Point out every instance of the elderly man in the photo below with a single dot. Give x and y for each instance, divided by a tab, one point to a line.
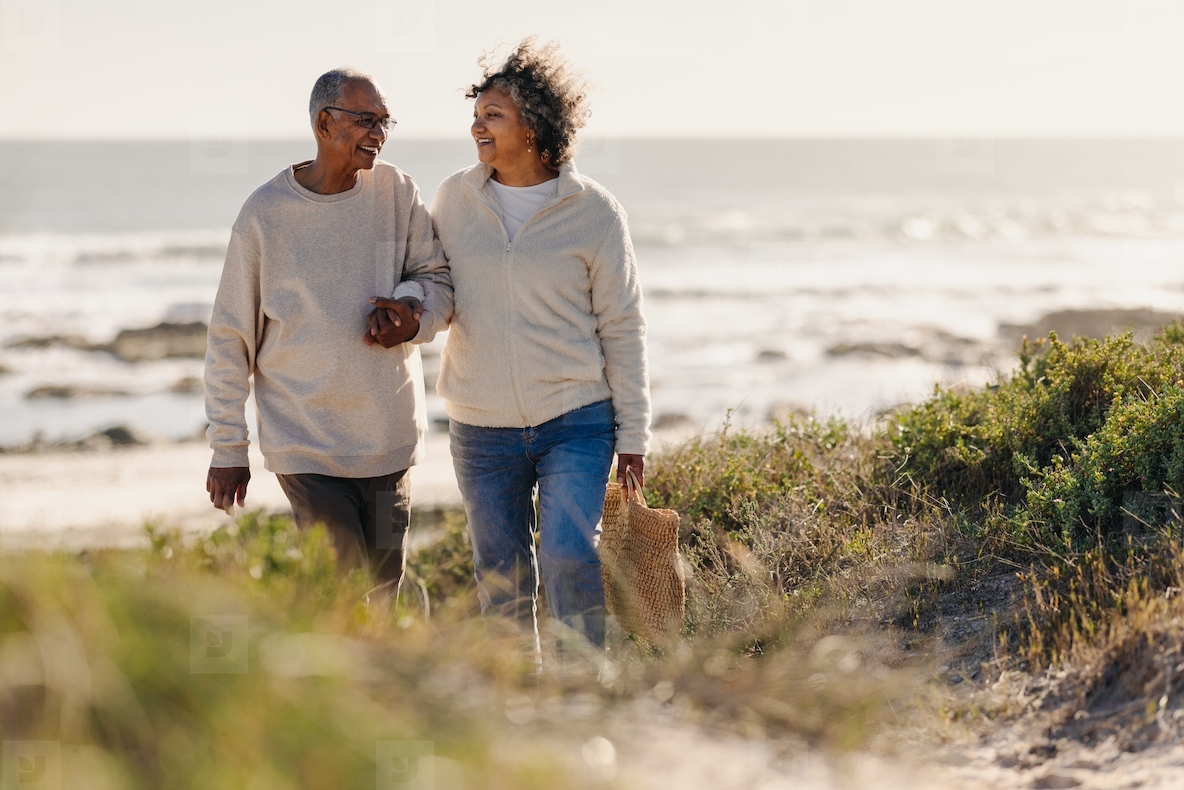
338	384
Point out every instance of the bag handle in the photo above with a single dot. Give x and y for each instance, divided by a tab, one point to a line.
633	487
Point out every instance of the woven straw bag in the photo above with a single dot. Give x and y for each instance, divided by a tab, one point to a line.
644	581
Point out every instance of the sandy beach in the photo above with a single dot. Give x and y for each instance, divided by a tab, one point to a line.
88	498
76	499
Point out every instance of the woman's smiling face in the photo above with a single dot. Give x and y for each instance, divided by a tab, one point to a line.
502	139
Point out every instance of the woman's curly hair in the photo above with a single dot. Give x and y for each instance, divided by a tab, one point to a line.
551	96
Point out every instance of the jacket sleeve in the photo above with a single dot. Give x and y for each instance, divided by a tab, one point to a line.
230	352
426	266
616	302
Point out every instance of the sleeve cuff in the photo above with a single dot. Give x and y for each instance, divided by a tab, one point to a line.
633	446
230	456
408	288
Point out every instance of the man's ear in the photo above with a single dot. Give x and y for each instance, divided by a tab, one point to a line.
321	127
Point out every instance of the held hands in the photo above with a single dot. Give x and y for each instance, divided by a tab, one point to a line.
634	462
393	321
227	483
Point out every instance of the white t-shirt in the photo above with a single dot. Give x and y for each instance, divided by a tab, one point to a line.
519	203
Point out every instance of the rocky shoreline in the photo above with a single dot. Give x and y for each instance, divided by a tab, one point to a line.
940	347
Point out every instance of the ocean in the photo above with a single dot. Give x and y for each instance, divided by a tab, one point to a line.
835	276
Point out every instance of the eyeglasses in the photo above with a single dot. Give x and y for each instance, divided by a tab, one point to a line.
368	119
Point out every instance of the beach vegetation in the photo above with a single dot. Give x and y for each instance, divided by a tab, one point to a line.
842	578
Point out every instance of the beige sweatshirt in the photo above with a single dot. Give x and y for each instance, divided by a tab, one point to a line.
546	323
291	311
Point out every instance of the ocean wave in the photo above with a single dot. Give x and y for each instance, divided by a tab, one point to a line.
67	249
1128	214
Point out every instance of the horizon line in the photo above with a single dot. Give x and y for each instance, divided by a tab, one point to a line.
1093	136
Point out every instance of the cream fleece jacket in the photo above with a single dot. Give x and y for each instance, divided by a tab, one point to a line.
291	311
546	323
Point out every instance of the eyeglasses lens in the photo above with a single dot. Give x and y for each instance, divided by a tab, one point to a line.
371	121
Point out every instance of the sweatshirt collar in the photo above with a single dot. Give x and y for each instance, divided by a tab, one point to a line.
569	182
317	197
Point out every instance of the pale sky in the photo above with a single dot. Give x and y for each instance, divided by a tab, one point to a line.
686	68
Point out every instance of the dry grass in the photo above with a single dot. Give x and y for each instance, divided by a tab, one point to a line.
834	591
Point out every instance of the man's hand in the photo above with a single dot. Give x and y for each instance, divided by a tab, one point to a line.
226	483
634	462
393	321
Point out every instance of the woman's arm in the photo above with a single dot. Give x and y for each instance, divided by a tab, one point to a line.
620	326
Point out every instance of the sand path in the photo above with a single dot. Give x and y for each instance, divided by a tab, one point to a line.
82	499
75	499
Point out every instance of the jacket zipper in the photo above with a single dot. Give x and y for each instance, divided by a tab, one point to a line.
509	252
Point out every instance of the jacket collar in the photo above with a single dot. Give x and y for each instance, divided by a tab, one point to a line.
479	174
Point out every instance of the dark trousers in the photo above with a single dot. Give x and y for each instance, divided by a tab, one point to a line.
367	517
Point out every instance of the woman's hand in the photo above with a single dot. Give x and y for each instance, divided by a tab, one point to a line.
634	462
393	321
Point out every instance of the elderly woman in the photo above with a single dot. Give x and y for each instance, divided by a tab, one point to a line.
544	374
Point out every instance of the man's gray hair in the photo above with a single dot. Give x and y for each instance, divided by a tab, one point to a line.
327	90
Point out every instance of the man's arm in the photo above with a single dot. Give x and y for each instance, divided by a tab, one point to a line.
230	361
425	265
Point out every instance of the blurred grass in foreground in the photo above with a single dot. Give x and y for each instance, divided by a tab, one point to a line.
832	568
243	659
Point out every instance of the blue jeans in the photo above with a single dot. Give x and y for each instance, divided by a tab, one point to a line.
568	459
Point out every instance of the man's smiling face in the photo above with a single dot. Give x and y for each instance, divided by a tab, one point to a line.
352	144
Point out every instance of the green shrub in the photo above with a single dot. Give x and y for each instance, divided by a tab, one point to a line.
714	478
1136	456
440	573
977	447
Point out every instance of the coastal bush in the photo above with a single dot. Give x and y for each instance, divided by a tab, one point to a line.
797	523
440	573
1067	471
977	447
827	464
1131	469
